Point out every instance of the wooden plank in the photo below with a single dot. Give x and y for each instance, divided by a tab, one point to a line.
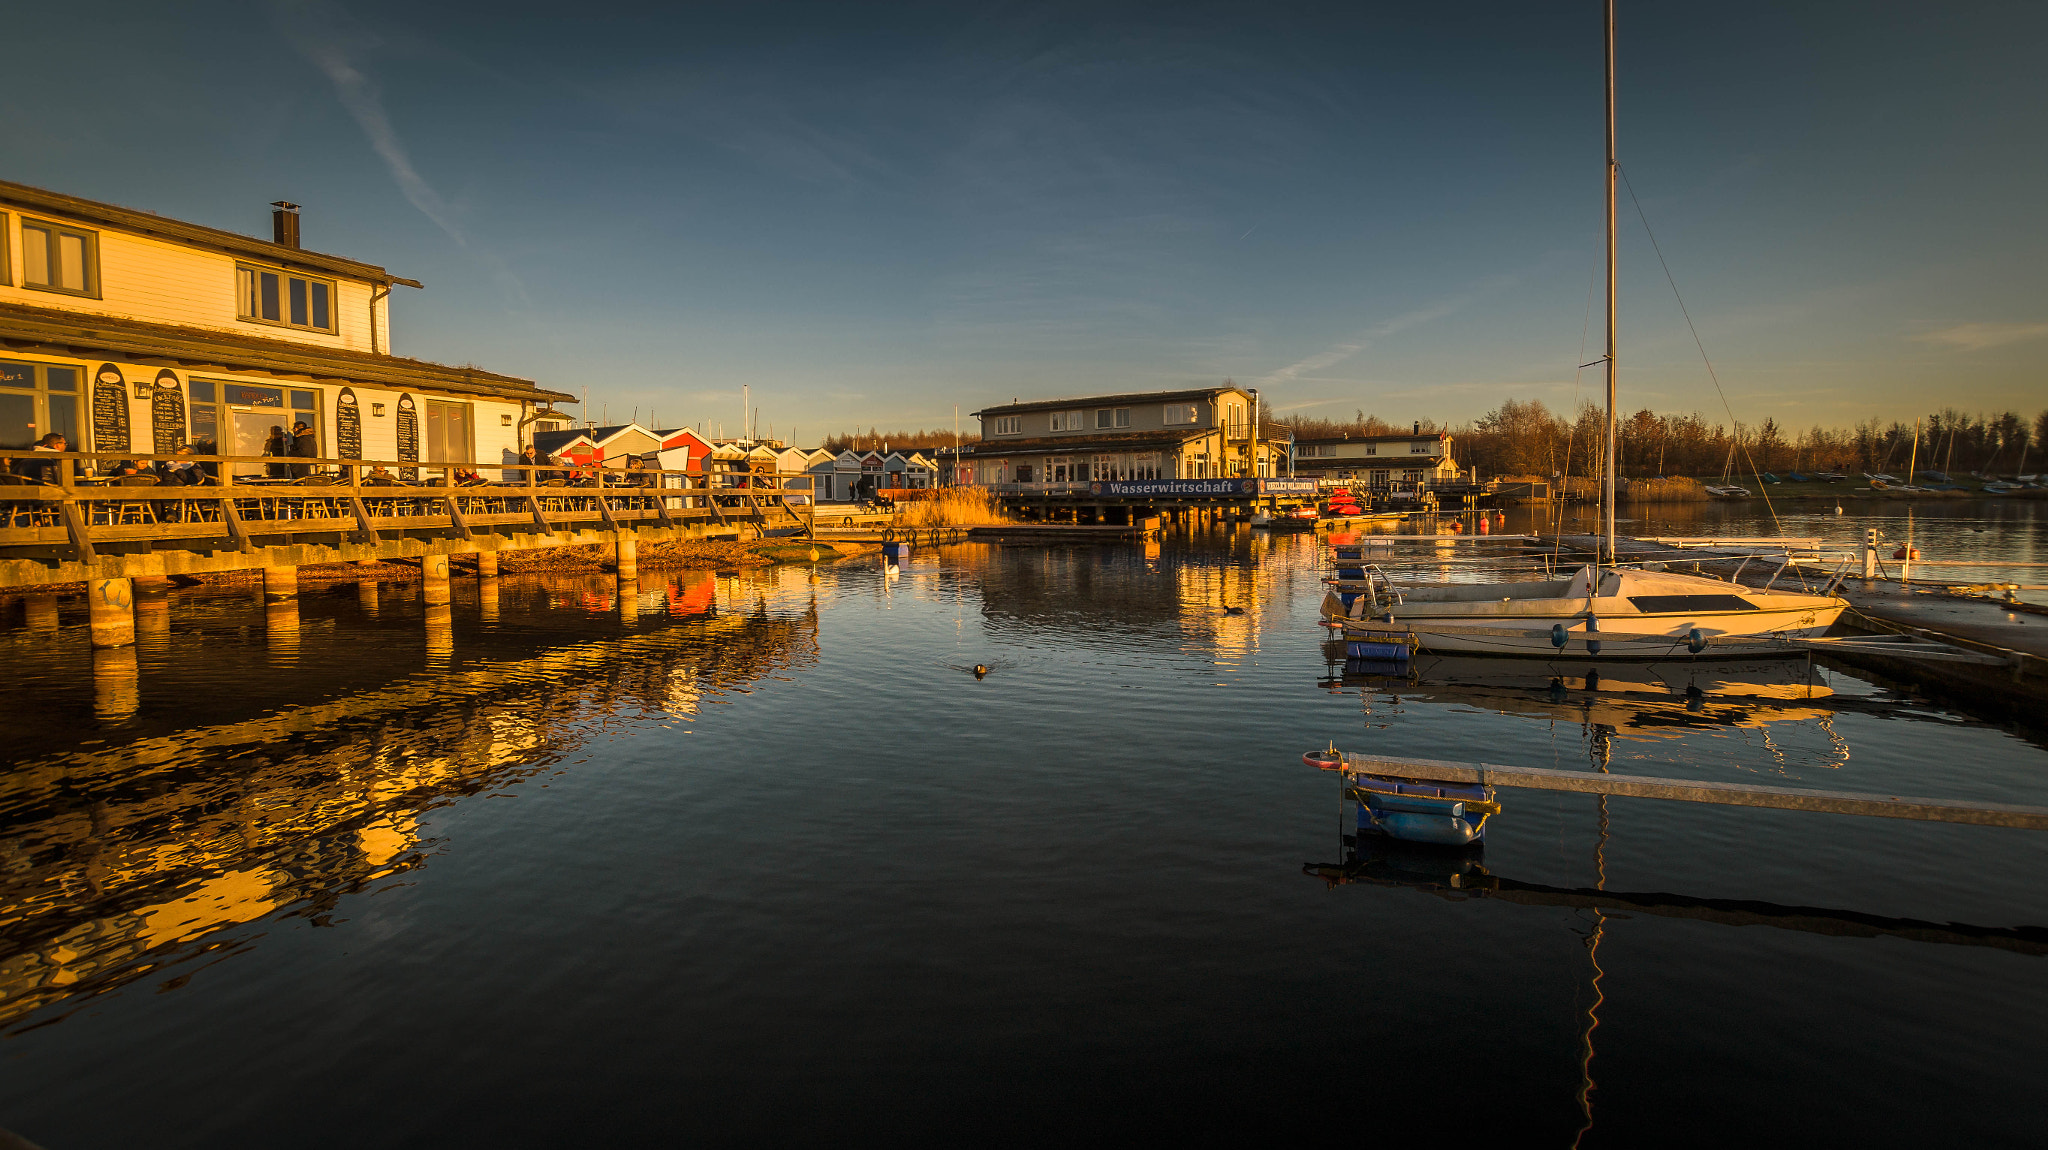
540	521
236	531
363	524
604	507
75	527
1697	791
455	516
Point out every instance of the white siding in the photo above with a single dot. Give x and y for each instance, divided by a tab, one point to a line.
163	281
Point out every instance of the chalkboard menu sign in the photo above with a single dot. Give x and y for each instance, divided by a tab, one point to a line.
408	437
167	413
348	425
109	412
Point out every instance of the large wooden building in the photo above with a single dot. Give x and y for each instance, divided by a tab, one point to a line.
125	331
1059	444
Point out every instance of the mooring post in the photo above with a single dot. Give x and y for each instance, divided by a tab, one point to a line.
280	581
487	564
112	604
1870	553
434	584
629	556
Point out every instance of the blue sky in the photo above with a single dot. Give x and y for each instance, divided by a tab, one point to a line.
873	214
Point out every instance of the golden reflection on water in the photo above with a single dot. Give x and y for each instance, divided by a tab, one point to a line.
123	860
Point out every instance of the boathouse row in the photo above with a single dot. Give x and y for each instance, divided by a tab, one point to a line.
129	332
1064	444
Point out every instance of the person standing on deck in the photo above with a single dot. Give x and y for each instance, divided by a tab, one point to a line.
305	445
277	445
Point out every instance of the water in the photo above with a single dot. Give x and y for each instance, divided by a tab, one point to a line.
757	858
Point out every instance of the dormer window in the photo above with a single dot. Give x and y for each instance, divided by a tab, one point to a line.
1009	425
268	295
60	259
1182	413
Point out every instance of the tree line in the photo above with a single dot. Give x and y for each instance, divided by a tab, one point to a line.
1524	437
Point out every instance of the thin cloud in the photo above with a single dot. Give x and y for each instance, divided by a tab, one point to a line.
332	42
1979	336
1343	351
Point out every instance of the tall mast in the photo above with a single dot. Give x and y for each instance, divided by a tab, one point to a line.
1613	169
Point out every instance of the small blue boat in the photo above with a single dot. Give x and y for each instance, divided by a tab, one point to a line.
1412	810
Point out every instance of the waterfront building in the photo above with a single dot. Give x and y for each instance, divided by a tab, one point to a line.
1064	444
599	446
129	332
682	450
1381	462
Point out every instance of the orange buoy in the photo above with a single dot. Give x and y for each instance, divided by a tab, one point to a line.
1902	553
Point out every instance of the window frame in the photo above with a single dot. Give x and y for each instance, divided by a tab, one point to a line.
1009	425
1177	414
41	398
285	277
7	251
469	429
89	255
1123	417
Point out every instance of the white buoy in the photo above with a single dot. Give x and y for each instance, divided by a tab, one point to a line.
1838	509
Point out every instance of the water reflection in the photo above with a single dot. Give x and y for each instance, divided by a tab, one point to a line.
1458	876
122	862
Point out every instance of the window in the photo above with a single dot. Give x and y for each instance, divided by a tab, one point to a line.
447	432
1009	425
1023	473
1104	468
6	265
230	418
1233	415
1145	466
1319	451
57	258
37	399
1182	413
1419	447
1372	449
1067	420
1103	418
267	295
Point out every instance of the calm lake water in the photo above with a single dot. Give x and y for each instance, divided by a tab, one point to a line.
756	858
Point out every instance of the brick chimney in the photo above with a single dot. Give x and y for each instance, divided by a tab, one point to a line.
284	224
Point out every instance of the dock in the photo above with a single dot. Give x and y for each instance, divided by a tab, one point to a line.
2011	815
1041	533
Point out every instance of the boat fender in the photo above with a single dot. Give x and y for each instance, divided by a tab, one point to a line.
1387	618
1695	641
1592	628
1557	638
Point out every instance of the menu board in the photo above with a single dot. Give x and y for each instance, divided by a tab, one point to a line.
109	412
408	437
167	413
348	425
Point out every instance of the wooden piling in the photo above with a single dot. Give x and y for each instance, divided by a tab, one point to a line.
280	582
629	555
434	582
487	564
112	605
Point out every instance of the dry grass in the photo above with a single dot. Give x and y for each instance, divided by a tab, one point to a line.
952	507
1675	489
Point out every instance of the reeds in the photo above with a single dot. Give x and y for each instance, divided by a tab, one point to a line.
1672	489
952	507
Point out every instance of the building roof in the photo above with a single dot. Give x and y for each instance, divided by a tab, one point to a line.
1401	438
38	329
149	223
1104	400
1121	440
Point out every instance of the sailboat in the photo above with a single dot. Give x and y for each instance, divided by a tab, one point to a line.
1604	606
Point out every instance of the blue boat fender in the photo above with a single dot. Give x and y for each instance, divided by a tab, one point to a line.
1695	641
1557	636
1592	628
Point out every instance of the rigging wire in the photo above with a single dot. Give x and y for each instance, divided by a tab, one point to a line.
1711	374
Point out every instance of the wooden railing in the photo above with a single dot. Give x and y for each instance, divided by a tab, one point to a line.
361	495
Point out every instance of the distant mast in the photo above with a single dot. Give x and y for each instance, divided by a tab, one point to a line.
1613	170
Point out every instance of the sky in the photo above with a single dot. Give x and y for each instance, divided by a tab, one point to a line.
871	215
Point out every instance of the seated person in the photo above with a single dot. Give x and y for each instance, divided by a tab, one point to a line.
379	476
467	477
45	470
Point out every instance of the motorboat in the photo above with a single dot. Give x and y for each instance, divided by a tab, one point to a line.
1413	810
1622	611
